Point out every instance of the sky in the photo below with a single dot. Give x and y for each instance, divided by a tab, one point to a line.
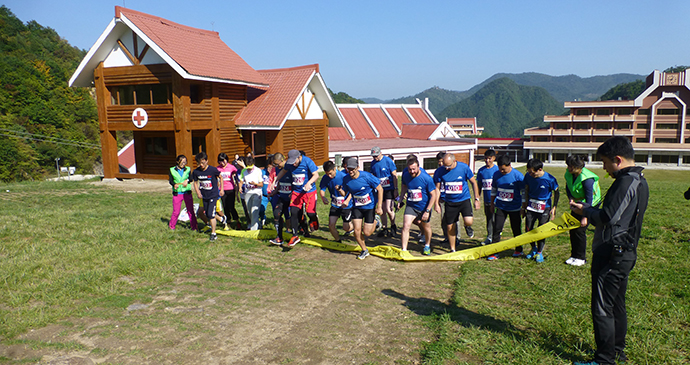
391	49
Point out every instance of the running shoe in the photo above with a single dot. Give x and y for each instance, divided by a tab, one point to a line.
486	241
493	257
427	250
578	262
422	239
539	257
293	241
204	229
349	233
382	233
277	241
531	254
392	232
314	226
363	255
570	260
377	218
518	253
212	237
469	231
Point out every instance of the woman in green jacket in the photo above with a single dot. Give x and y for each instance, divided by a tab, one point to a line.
582	185
180	178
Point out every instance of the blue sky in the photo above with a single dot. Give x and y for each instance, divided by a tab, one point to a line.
389	49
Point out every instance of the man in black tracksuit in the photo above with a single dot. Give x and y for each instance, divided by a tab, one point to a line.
618	224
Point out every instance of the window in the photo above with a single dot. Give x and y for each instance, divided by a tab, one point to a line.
400	165
580	139
686	159
195	96
687	140
542	156
198	144
623	125
581	125
667	126
600	139
642	111
602	126
642	126
140	94
559	156
561	139
603	111
156	146
430	164
665	158
560	125
666	140
667	111
541	139
642	140
367	166
582	112
641	158
624	111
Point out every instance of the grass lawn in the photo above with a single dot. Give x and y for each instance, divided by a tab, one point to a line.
72	249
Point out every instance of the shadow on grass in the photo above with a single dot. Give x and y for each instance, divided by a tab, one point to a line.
563	348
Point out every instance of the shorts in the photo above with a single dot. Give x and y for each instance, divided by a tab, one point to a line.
208	207
454	210
365	214
281	206
417	213
389	194
308	199
345	214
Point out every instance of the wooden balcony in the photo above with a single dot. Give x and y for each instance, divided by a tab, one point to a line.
561	132
557	118
582	132
624	118
603	118
602	132
582	118
537	132
623	132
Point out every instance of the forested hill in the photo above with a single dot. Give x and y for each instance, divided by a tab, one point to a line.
52	119
505	108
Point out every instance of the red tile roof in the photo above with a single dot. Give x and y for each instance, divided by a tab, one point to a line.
338	134
269	107
381	122
420	116
460	121
418	131
200	52
390	143
399	116
126	156
355	119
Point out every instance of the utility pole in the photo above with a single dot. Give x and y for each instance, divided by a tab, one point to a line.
57	165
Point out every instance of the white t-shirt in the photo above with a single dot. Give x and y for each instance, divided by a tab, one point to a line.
250	179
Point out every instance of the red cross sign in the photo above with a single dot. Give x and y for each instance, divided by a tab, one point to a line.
139	117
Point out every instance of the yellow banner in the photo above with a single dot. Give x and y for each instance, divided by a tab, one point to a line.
564	223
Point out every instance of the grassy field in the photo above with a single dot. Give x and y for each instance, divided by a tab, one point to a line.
72	249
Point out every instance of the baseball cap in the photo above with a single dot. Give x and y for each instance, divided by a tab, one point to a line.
292	157
375	151
352	163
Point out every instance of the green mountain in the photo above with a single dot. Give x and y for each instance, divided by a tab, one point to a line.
625	91
41	118
505	108
439	98
344	98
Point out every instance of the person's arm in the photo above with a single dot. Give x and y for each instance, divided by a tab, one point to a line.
525	197
196	188
221	191
556	195
312	180
618	198
403	195
379	191
437	206
475	188
322	193
171	181
588	187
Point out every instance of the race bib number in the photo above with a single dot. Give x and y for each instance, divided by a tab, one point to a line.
361	200
206	184
486	184
454	187
226	175
506	195
414	195
284	188
385	182
537	206
298	179
338	200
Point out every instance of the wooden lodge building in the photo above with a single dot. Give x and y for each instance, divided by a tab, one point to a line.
182	90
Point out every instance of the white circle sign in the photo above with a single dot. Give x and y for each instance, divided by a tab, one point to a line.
140	118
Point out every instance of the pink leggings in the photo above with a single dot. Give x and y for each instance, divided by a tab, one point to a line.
177	205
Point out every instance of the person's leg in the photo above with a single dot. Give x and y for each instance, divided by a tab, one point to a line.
452	216
516	226
467	217
530	221
346	215
310	208
253	205
332	220
231	210
543	219
444	227
489	223
357	223
389	210
189	204
405	234
177	207
499	221
578	241
278	217
210	210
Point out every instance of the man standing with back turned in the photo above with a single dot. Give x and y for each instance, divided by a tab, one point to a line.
614	248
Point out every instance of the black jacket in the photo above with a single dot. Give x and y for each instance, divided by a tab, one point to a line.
618	221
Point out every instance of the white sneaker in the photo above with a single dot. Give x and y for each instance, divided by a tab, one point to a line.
570	261
578	262
486	242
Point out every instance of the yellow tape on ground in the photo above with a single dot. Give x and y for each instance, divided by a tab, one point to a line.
564	223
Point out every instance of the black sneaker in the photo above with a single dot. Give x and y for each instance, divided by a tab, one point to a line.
212	237
382	233
469	231
392	232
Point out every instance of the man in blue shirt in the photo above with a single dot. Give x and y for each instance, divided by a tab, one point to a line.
384	169
539	187
421	194
359	187
485	178
506	201
333	178
441	204
456	179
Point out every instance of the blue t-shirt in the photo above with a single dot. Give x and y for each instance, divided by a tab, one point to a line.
418	189
539	191
485	178
437	179
208	181
383	170
455	182
330	184
301	174
362	189
506	190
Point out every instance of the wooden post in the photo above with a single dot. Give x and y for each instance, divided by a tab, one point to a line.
181	117
108	138
213	137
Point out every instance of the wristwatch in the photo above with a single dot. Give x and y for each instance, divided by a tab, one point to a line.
427	210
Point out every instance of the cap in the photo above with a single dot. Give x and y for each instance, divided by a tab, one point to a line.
293	155
352	163
375	151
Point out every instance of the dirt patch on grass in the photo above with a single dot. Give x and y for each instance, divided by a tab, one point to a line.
303	306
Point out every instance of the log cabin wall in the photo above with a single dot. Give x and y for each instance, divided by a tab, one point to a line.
310	136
